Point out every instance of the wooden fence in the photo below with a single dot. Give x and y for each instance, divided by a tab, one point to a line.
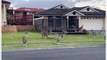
15	28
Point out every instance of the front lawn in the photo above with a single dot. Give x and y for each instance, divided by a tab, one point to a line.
14	40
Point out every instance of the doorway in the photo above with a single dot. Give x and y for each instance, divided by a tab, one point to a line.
73	23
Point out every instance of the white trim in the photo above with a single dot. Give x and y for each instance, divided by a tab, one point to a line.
75	11
39	18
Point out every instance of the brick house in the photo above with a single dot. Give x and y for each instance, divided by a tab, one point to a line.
24	16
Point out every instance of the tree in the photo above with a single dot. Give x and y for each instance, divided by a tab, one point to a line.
10	19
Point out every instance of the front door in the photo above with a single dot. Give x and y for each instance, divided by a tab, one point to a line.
73	23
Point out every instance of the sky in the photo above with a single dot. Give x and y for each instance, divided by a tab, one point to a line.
46	4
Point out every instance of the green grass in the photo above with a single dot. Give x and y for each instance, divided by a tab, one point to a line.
32	37
35	41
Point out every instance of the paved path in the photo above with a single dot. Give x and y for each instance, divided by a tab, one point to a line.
86	53
18	44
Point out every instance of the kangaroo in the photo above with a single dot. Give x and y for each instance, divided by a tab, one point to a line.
44	33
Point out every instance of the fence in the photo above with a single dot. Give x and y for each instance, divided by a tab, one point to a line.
25	27
9	29
15	28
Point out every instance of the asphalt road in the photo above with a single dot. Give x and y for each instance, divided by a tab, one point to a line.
90	53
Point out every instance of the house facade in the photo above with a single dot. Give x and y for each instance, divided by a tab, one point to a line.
24	16
62	17
5	6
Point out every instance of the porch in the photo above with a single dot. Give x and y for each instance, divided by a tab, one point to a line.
69	24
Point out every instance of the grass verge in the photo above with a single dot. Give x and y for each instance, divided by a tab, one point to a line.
12	41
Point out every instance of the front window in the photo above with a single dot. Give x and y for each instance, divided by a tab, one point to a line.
58	21
50	21
54	21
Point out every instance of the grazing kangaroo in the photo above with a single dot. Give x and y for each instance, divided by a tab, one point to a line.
44	33
58	37
93	33
80	29
75	29
24	40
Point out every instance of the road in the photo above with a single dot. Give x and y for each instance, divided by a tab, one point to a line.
86	53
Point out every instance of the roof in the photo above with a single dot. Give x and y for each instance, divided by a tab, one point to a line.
55	11
24	9
99	13
7	2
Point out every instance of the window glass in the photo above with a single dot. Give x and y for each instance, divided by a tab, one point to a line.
50	21
54	21
58	21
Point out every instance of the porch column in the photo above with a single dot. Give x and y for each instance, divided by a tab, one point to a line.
33	20
4	22
79	18
67	22
104	23
64	23
45	21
